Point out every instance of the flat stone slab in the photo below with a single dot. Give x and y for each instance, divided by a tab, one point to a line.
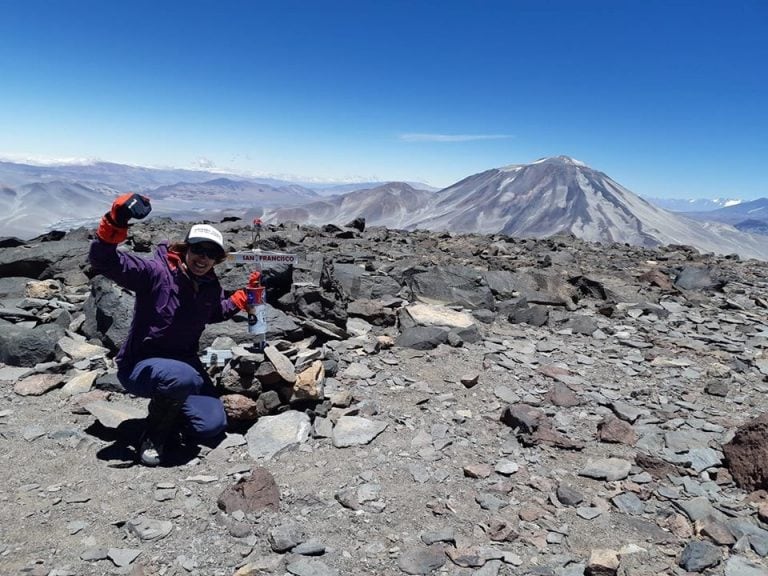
357	371
271	435
310	567
609	469
12	373
422	560
427	315
356	431
79	383
78	350
38	384
123	556
148	529
281	363
112	414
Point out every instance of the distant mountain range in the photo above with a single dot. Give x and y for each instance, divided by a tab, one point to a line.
751	216
550	196
34	199
693	204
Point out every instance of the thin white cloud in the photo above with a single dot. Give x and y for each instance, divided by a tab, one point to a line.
46	160
452	137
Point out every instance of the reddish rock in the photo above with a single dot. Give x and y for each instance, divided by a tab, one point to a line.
477	470
678	525
657	278
240	408
554	372
762	512
746	456
723	477
616	431
602	562
531	513
38	384
548	435
561	395
500	530
715	531
254	494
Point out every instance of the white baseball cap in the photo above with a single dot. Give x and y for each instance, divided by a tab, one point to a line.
205	233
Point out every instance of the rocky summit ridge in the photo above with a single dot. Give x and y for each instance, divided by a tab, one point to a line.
428	403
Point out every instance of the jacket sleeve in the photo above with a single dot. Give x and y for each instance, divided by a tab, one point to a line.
124	268
225	311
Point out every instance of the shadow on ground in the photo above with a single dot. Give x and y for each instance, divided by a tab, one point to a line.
123	448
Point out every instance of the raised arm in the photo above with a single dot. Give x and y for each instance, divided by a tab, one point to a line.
128	270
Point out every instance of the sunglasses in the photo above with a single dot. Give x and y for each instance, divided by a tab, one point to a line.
212	252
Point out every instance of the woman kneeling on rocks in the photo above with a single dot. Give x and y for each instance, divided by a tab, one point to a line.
177	294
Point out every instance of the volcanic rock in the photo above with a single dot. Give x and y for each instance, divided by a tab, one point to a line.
747	454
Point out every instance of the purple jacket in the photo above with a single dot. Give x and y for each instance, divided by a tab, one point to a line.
171	308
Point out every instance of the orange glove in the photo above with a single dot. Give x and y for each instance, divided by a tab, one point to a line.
239	299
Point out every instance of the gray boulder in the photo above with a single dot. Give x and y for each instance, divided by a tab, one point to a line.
13	287
29	346
422	337
108	313
451	285
42	260
359	283
698	278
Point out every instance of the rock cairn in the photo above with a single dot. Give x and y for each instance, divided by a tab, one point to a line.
427	403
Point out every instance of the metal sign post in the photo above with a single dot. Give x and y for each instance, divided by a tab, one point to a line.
257	308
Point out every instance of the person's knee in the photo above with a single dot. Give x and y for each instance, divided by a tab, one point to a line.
214	425
206	416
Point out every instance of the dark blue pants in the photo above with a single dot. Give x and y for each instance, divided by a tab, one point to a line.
204	413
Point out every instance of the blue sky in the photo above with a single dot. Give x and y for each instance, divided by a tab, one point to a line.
668	98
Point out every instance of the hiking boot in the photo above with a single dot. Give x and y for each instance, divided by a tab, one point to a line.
161	423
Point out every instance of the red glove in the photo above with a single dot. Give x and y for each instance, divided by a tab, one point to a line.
113	227
239	299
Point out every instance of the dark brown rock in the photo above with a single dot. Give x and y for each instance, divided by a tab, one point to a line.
254	494
656	467
658	278
746	456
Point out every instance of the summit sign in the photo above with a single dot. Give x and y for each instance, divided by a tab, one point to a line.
263	259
